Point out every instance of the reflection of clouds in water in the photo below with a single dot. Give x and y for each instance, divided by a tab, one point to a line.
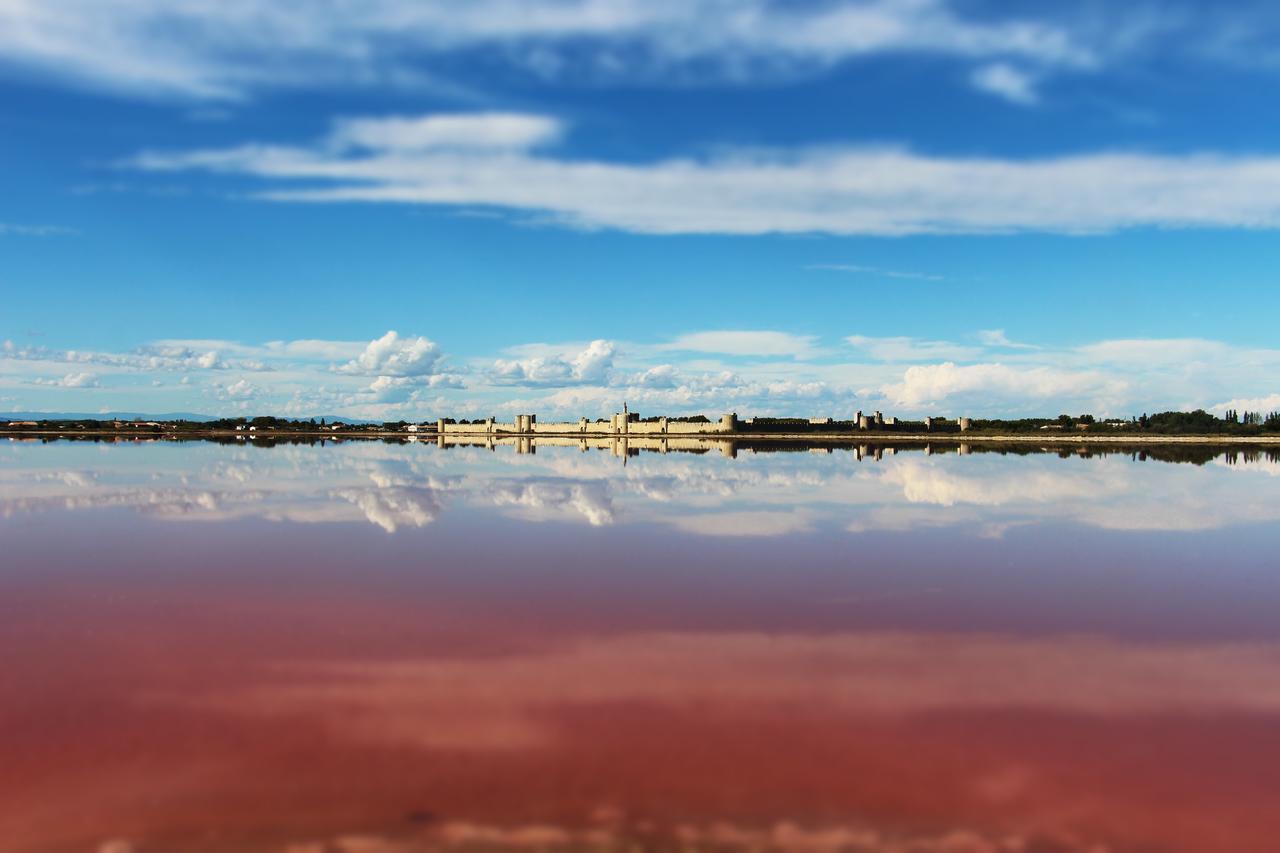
554	499
1257	465
930	482
1109	493
399	486
160	502
762	523
393	507
238	472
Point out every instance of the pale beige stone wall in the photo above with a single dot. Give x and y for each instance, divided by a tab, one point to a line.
616	426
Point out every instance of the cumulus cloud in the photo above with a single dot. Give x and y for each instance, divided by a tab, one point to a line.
1265	404
241	389
391	355
761	372
661	376
988	384
835	190
398	389
179	357
592	365
71	380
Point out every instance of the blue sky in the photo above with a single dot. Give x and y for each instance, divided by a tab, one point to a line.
419	209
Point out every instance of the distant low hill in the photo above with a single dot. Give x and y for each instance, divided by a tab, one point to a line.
105	416
142	416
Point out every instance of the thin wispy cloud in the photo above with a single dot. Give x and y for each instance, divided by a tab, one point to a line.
744	343
997	338
228	51
19	230
876	271
835	190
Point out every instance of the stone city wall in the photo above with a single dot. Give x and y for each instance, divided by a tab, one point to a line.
617	425
618	445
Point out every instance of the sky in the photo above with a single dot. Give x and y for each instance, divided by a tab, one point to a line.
407	210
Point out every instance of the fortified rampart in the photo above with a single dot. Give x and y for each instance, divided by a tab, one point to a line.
624	423
627	423
618	445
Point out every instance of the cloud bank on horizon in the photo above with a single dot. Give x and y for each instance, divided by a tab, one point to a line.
758	372
925	172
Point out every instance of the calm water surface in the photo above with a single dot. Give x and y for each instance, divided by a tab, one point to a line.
369	647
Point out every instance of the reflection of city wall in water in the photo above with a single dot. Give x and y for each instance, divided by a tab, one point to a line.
621	446
776	486
630	445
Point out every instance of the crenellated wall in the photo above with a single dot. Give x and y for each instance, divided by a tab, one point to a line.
618	445
618	425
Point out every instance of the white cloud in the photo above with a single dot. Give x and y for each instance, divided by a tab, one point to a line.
1006	81
994	384
591	365
762	372
71	380
1156	352
241	389
1265	404
997	338
499	131
912	349
660	376
230	48
391	355
398	389
836	190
